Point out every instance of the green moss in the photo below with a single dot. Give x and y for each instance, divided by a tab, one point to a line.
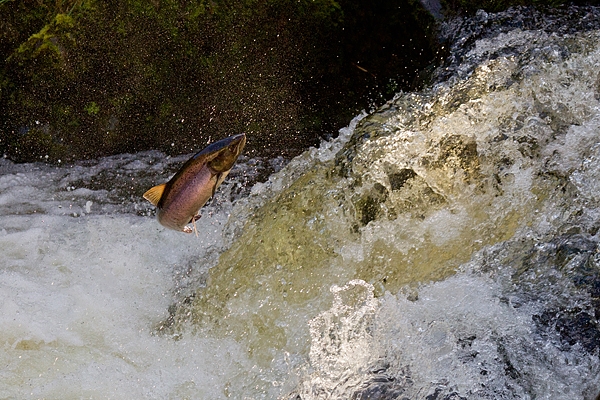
47	39
166	109
92	108
195	11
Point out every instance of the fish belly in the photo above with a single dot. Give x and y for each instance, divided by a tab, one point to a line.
185	199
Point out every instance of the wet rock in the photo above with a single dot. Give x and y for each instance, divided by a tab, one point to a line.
398	179
439	394
369	205
569	318
462	34
455	152
274	70
382	387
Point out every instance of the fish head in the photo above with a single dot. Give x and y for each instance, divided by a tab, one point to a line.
225	153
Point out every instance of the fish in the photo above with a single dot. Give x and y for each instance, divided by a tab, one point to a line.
178	202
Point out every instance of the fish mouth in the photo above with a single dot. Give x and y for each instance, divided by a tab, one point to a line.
238	142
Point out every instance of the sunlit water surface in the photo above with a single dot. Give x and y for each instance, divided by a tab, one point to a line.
443	247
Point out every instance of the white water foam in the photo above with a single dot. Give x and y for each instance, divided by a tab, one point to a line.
83	285
87	277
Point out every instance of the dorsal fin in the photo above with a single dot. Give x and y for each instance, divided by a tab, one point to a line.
154	194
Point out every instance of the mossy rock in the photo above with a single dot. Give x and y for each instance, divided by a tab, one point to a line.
175	75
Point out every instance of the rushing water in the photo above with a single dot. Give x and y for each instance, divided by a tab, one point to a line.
443	247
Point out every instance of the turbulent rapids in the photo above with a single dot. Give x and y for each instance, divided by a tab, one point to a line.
444	246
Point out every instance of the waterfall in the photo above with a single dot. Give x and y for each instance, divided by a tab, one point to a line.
444	246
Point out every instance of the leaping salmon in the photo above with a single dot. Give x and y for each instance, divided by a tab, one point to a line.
178	202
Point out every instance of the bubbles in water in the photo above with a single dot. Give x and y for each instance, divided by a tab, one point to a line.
342	348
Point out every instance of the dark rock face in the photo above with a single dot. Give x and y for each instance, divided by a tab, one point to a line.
85	79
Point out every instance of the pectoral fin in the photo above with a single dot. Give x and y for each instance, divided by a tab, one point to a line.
154	194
